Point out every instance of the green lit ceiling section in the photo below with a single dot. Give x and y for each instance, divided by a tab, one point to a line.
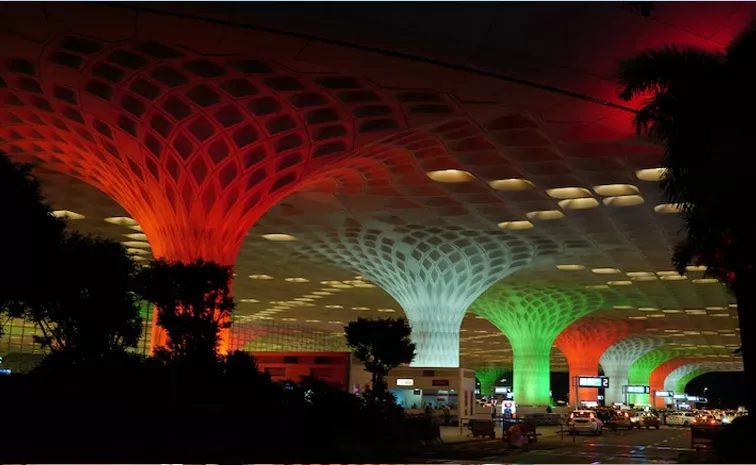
531	318
488	375
640	371
686	378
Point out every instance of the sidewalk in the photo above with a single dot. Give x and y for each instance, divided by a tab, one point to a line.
453	434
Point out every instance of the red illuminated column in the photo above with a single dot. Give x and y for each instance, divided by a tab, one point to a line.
584	342
659	375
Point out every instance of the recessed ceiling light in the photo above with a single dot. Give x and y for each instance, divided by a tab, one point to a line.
623	201
667	208
651	174
674	277
695	312
705	281
616	190
619	283
568	193
341	286
260	276
671	310
512	184
657	315
136	227
606	271
695	268
249	301
578	204
648	309
67	214
570	267
643	278
363	285
362	309
297	280
121	221
336	322
716	308
138	251
386	310
279	237
334	306
136	244
597	286
312	321
545	215
623	307
321	293
288	319
638	274
637	317
304	299
515	225
136	236
733	305
450	176
330	283
139	258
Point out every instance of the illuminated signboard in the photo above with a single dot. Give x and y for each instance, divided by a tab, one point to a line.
664	394
681	397
700	400
593	381
637	389
5	371
405	382
502	390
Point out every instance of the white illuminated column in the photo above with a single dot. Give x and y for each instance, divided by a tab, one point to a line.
670	382
618	359
433	273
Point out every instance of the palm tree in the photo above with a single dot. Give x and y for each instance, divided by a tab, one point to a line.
699	105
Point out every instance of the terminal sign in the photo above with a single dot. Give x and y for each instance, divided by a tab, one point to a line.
681	397
638	389
593	381
664	394
405	382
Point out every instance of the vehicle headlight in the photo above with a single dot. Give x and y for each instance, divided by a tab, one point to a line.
725	420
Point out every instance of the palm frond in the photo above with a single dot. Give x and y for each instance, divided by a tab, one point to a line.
656	70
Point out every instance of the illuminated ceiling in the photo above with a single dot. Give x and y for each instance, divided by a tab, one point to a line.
350	138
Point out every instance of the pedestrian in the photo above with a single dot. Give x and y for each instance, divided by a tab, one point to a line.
548	409
447	415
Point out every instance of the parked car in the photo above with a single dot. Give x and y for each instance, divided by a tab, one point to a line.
680	418
705	419
584	421
648	420
619	420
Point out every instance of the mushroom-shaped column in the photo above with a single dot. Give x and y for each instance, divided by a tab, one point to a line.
640	371
488	375
660	374
618	359
687	376
531	318
434	273
194	147
585	341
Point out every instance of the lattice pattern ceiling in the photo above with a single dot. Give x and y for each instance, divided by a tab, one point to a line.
197	147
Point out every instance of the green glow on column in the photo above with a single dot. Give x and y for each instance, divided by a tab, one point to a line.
531	318
488	376
682	383
640	371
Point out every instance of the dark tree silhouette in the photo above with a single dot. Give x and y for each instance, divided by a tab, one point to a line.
90	310
699	107
381	345
194	303
31	237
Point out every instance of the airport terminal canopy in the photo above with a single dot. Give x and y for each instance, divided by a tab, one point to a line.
237	133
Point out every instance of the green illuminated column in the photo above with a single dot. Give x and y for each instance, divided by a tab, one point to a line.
682	383
640	371
488	375
531	318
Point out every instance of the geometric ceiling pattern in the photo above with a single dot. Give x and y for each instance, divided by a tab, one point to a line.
348	174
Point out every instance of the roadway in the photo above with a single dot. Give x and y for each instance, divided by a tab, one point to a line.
636	446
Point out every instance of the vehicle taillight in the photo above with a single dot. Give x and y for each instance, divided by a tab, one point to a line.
626	415
713	422
591	416
572	415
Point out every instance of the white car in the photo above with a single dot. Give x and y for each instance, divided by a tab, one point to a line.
584	421
680	418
